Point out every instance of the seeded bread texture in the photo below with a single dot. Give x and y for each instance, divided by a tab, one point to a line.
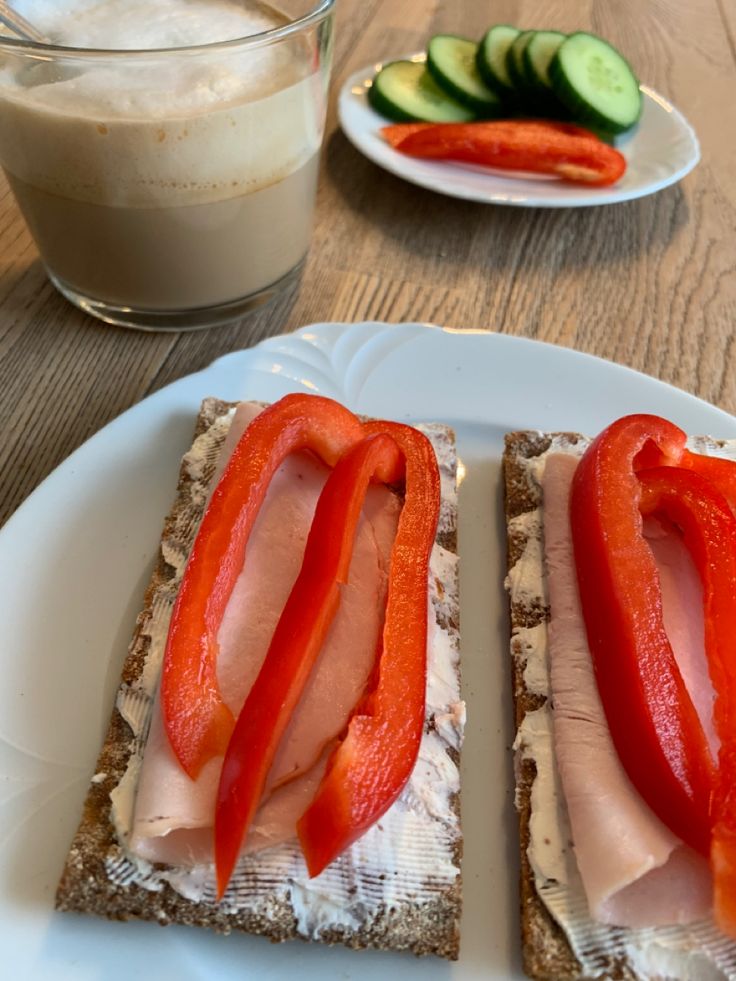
547	956
429	925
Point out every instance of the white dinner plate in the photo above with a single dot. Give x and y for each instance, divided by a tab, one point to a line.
74	561
660	151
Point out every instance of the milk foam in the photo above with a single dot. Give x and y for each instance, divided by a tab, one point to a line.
143	24
159	130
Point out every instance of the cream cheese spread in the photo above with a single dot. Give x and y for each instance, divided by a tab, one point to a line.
681	952
410	853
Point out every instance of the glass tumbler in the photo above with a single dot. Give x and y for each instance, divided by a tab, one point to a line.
170	189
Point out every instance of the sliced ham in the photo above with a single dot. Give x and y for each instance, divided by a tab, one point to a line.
191	844
634	871
682	608
173	814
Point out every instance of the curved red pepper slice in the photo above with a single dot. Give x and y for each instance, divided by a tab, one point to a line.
371	766
197	721
719	472
297	641
537	146
708	527
652	720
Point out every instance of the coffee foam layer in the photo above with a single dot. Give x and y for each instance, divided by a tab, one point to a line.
146	24
162	162
163	131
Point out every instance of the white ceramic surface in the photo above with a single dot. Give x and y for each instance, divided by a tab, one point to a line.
659	152
74	561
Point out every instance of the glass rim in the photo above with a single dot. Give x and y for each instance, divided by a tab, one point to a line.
313	16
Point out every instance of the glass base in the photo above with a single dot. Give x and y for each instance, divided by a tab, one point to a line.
196	318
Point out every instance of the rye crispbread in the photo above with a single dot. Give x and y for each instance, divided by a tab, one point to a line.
92	880
546	953
602	951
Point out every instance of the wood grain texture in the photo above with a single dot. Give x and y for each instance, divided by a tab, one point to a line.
650	283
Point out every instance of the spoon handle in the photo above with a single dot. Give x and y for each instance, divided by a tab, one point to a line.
12	19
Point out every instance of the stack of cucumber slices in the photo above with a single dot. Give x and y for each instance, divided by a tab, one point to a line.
575	77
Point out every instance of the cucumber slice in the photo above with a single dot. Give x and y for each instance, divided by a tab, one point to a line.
538	56
491	58
515	63
405	91
451	62
596	83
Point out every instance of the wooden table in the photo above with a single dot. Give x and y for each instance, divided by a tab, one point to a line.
650	283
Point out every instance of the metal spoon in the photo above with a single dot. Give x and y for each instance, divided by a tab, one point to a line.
12	19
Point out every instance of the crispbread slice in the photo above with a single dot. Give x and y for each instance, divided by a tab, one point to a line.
601	951
546	954
99	876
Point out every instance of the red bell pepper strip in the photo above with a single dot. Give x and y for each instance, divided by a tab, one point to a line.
370	767
396	133
298	639
536	146
719	472
708	527
197	721
652	720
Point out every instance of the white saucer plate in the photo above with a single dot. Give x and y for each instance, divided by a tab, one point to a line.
660	151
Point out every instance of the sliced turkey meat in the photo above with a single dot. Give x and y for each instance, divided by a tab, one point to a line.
171	805
635	872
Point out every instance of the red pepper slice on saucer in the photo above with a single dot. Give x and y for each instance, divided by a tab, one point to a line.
198	722
372	764
652	720
708	527
535	146
298	639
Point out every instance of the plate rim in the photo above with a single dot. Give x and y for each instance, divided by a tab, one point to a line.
331	333
341	327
